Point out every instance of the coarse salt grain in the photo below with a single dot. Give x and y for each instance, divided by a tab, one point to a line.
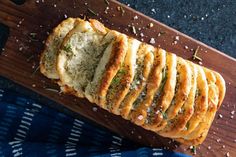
186	47
141	34
227	154
95	109
150	25
177	38
220	116
152	41
140	117
135	17
232	112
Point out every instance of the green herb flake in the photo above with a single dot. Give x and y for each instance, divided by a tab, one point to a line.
164	115
67	48
92	12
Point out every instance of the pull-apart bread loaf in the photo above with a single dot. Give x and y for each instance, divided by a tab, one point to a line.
149	86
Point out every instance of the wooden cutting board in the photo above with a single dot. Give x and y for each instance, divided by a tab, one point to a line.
30	24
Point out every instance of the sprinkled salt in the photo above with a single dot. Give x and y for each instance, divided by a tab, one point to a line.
140	117
54	5
220	116
168	16
141	34
139	137
209	147
232	112
177	38
227	154
218	140
152	41
185	47
223	146
65	16
135	17
95	109
153	10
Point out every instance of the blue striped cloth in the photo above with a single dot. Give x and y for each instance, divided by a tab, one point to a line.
28	128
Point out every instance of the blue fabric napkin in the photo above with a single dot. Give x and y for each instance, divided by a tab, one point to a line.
28	128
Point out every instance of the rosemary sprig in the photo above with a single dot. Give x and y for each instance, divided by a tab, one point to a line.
107	2
52	90
195	57
122	11
34	72
92	12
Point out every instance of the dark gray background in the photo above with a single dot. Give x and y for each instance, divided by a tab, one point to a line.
210	21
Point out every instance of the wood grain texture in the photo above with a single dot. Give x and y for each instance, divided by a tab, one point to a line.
21	57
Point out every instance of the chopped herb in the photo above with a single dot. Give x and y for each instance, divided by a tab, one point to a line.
122	11
67	48
29	58
193	149
195	57
92	12
32	37
34	72
107	2
120	8
164	115
187	125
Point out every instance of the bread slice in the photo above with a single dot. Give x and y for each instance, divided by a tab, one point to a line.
144	63
201	104
179	122
213	99
120	84
140	110
182	89
80	54
106	70
166	94
53	43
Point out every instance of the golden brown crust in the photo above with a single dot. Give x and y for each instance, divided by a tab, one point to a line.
120	84
201	104
118	53
199	134
98	26
139	115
